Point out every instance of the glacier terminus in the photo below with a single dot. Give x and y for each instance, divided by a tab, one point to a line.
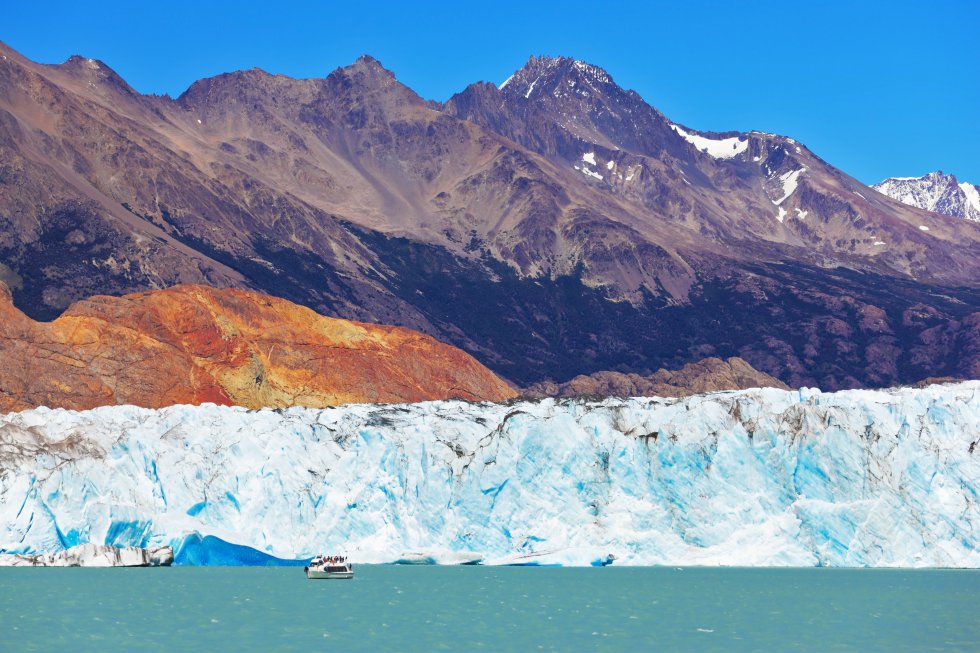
752	477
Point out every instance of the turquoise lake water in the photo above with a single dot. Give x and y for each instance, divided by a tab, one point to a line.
387	608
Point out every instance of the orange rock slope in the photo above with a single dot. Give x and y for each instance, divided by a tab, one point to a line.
194	344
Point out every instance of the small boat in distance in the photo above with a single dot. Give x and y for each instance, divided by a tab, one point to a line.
327	567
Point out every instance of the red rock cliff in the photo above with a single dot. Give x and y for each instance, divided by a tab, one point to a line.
194	344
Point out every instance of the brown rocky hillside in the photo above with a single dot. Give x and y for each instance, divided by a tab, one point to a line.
194	344
708	375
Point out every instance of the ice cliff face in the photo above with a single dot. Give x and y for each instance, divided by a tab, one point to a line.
935	192
93	555
755	477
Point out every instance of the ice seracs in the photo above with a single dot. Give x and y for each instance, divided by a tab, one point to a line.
755	477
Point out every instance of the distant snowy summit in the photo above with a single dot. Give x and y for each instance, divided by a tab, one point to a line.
935	192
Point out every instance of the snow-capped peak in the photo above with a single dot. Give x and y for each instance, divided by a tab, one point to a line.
595	72
972	194
935	192
551	72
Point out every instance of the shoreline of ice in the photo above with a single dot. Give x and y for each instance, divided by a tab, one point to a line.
765	477
93	555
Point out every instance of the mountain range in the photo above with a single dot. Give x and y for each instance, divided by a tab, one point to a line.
554	226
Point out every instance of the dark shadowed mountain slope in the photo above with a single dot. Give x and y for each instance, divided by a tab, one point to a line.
554	227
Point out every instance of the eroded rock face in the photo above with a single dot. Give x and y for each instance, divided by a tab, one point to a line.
194	344
708	375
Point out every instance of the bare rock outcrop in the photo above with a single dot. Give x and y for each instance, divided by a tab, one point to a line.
707	375
195	344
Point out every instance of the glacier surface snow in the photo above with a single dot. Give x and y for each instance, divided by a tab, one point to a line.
756	477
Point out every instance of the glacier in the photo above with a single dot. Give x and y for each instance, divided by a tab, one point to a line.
93	555
752	477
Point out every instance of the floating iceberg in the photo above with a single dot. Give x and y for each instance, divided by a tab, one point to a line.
754	477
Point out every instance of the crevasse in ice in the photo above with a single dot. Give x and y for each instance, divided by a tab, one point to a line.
756	477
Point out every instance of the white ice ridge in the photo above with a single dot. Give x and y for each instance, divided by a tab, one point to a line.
724	148
755	477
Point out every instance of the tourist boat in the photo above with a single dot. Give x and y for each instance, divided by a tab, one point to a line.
326	567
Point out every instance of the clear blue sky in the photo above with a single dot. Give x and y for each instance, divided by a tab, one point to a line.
878	89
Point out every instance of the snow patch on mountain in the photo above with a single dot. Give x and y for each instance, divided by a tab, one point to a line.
790	181
972	195
756	477
937	192
724	148
589	173
530	88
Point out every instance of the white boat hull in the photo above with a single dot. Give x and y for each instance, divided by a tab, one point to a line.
317	574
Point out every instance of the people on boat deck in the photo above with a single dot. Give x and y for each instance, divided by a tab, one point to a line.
322	559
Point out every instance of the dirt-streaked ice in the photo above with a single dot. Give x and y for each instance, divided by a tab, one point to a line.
756	477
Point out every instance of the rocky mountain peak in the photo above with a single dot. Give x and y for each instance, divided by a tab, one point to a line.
559	105
541	73
365	78
368	61
561	78
241	85
365	71
935	191
95	73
